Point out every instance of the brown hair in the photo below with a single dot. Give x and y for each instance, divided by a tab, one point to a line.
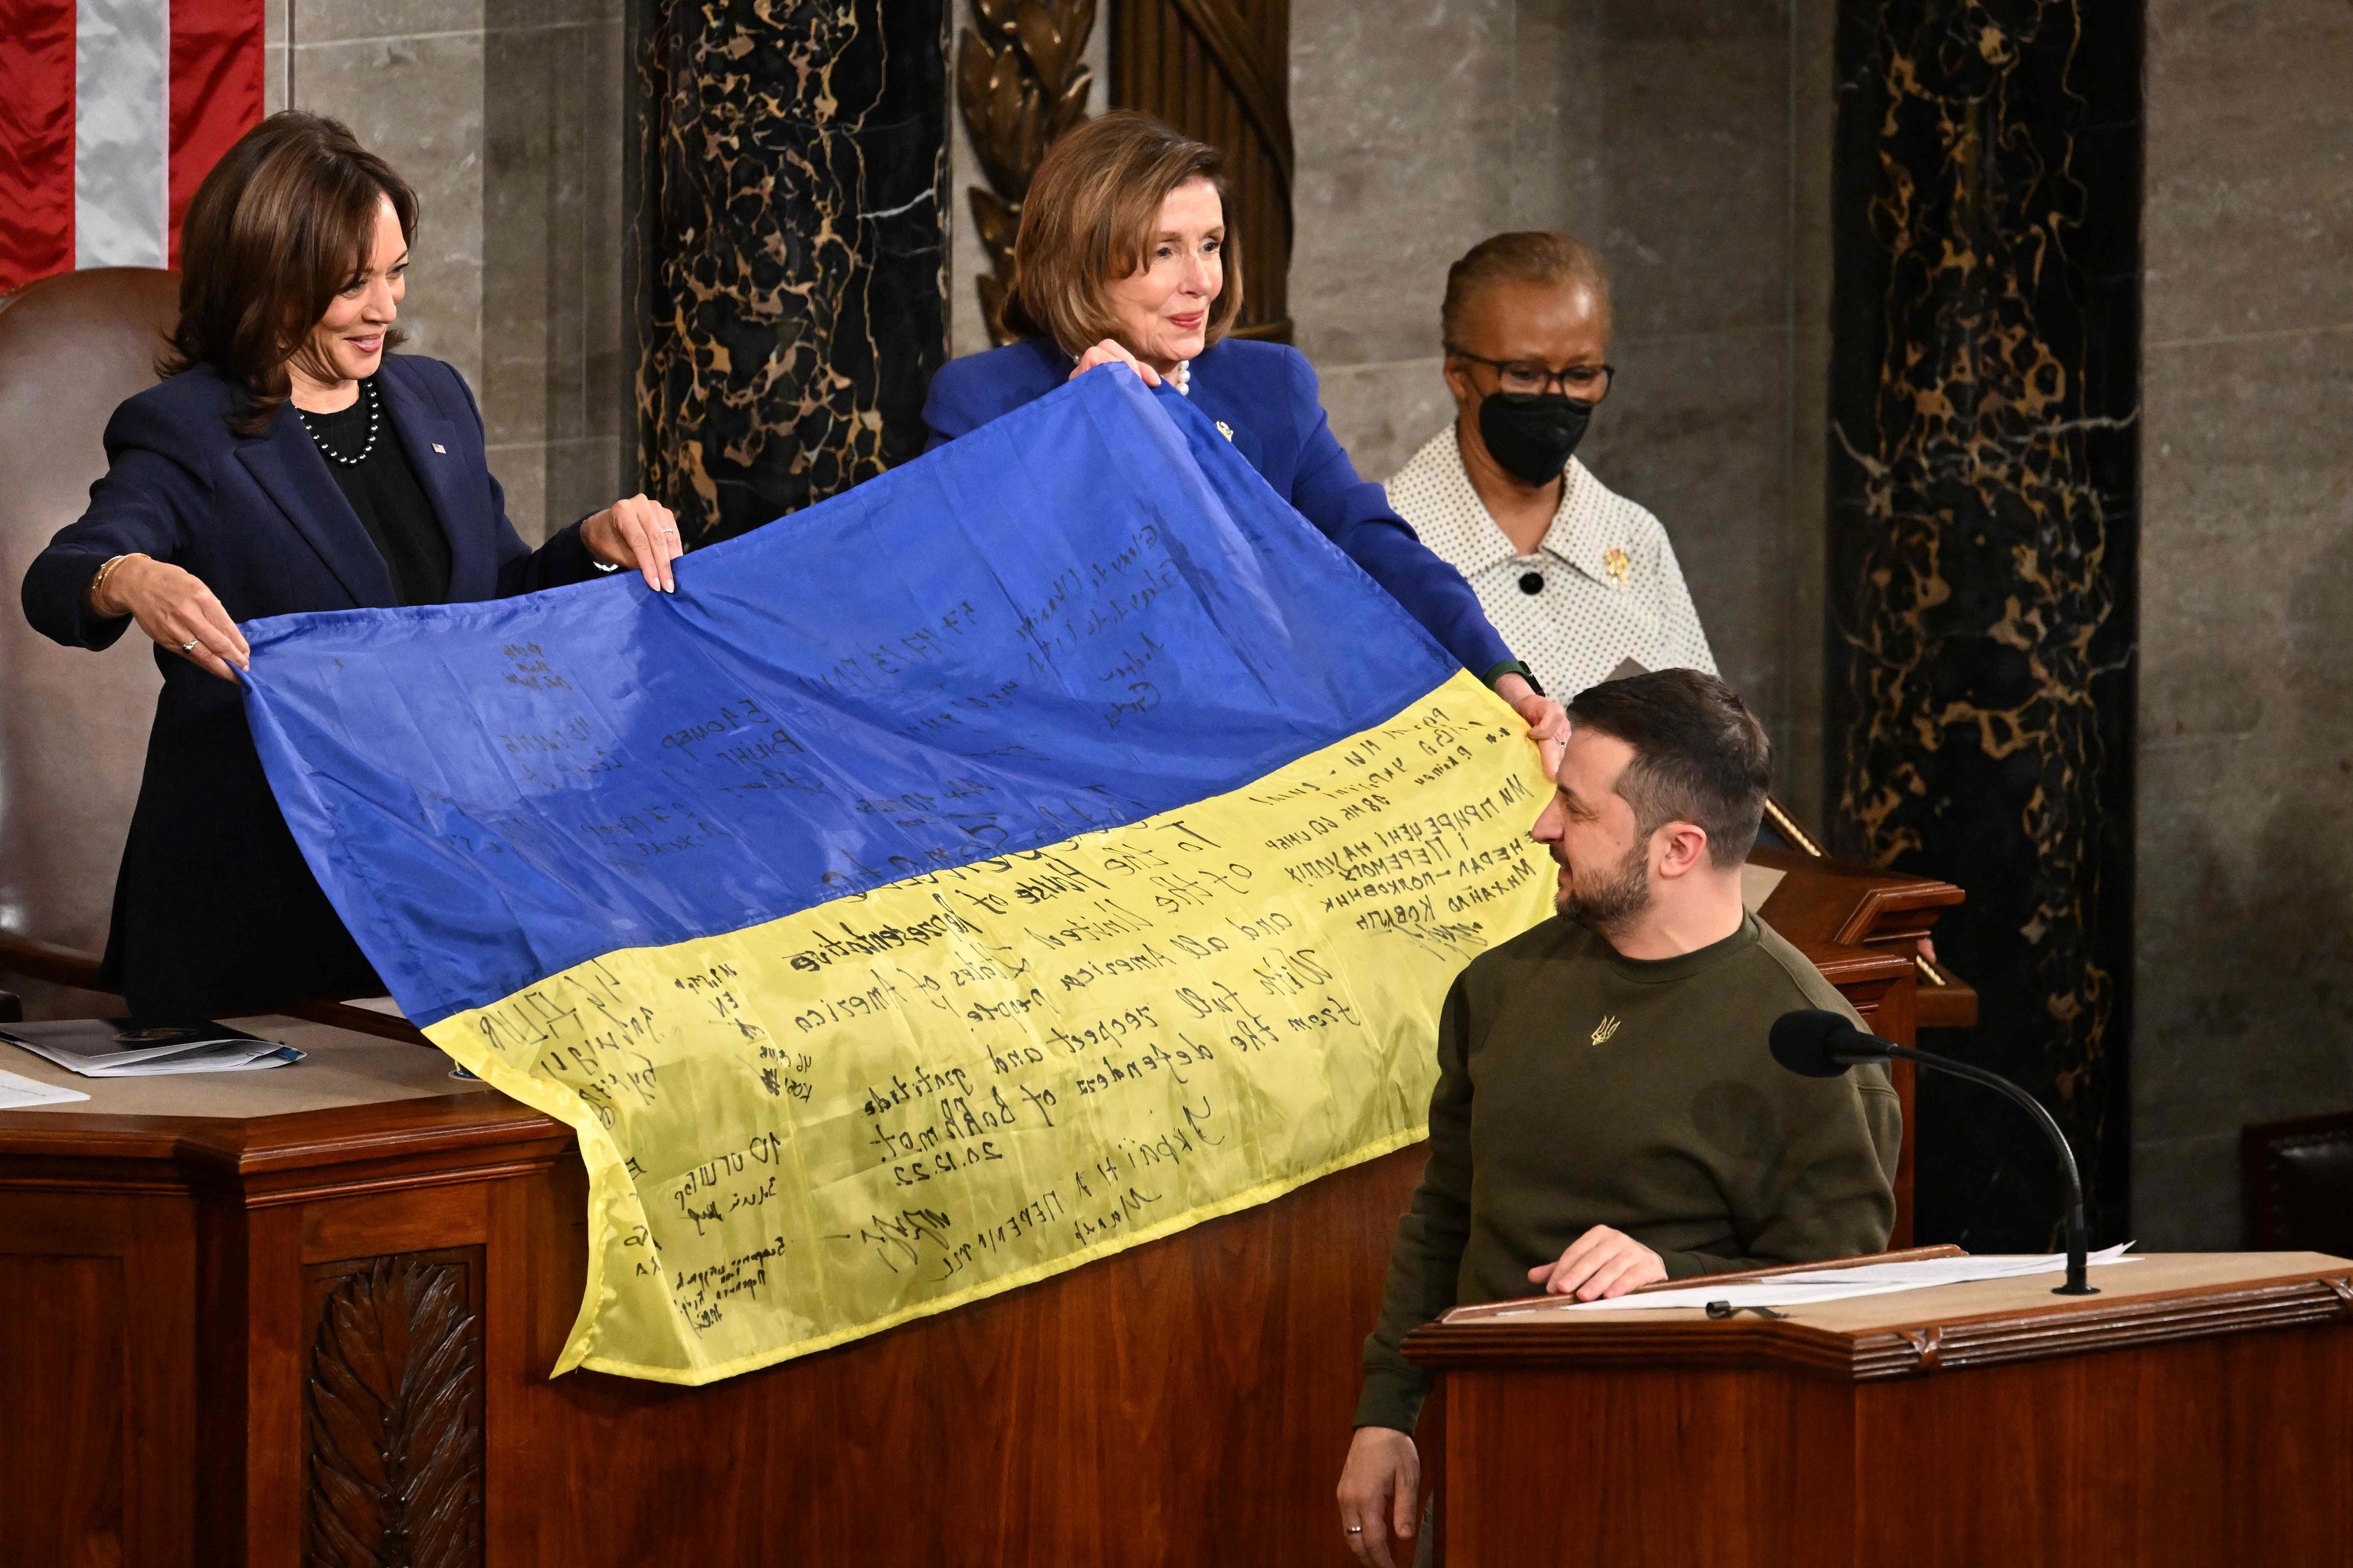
275	232
1531	256
1089	220
1700	757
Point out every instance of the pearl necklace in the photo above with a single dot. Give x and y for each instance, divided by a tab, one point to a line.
1183	377
375	422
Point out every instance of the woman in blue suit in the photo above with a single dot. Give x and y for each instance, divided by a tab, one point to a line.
1121	260
292	462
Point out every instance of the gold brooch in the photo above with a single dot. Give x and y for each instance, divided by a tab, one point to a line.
1605	1029
1225	429
1618	563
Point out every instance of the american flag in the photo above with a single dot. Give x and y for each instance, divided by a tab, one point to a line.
112	112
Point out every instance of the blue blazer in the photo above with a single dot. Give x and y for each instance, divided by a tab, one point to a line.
1266	395
215	910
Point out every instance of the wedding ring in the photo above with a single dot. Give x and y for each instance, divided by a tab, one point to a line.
189	646
1355	1530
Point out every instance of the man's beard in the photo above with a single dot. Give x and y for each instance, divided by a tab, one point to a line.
1608	907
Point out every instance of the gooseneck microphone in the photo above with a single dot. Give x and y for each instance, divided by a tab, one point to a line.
1818	1044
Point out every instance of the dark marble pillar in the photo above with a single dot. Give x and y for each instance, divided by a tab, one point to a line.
788	271
1984	529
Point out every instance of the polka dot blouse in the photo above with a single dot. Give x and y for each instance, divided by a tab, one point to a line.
1603	586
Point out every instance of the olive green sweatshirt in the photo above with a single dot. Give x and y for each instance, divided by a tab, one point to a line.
1579	1088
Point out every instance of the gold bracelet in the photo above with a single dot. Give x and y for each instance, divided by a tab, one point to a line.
97	582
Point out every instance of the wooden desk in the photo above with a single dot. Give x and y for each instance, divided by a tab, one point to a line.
2199	1411
210	1325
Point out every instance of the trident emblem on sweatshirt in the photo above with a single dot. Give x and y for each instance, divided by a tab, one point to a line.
1605	1029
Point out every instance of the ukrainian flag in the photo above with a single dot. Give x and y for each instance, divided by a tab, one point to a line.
1042	847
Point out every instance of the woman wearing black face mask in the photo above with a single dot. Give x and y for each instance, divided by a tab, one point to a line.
1577	579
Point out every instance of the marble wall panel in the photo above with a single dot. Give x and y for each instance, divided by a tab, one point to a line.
1689	142
2251	180
1559	87
1384	412
1985	390
1693	430
1694	149
1813	123
275	56
1696	196
348	21
416	100
791	248
554	378
2245	743
517	275
1402	120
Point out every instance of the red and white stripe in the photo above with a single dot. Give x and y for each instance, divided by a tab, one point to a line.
112	112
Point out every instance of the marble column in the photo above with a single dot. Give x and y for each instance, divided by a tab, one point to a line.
787	275
1984	527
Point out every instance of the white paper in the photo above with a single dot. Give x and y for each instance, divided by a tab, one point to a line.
1833	1284
230	1057
17	1091
122	1048
382	1004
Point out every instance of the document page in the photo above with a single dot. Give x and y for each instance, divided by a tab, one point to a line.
17	1092
1830	1284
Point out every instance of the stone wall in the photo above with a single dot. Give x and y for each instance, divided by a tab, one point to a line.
1689	142
2245	756
506	115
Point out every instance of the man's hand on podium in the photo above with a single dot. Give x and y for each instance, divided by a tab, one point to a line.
1601	1261
1380	1495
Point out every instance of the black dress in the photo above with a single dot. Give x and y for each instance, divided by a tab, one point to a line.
373	474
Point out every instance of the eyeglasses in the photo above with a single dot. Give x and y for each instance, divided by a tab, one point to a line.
1525	378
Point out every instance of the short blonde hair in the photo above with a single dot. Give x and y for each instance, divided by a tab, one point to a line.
1089	220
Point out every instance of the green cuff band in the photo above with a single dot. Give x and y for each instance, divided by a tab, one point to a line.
1513	667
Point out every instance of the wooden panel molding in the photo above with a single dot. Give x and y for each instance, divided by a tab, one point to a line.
64	1350
98	1332
2150	1320
1485	1338
1220	70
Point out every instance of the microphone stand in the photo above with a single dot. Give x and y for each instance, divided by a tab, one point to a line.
2078	1231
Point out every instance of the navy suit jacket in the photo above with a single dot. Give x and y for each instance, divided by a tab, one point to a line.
1265	394
215	910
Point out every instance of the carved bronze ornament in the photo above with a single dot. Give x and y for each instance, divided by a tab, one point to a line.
1020	83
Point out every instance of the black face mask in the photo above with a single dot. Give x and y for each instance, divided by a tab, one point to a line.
1533	436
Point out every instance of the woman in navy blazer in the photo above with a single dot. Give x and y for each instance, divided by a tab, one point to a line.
219	506
1121	261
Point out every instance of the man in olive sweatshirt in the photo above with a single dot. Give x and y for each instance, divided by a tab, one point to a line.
1608	1113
